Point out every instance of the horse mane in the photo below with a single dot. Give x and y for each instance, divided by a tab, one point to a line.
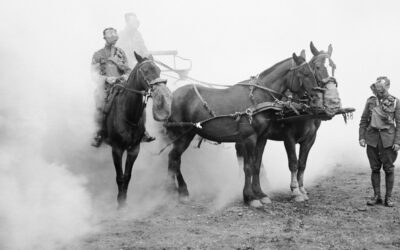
271	69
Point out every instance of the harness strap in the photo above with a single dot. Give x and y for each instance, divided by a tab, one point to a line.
261	87
205	104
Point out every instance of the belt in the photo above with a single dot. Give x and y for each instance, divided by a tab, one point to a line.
380	129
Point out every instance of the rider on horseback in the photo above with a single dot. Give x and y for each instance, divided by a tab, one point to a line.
110	65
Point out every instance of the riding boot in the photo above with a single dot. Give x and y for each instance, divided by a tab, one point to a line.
147	137
376	184
98	139
389	179
101	133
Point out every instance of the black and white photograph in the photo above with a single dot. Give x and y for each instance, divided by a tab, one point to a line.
150	124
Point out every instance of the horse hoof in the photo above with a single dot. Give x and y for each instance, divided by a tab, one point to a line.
171	189
303	190
305	196
299	198
255	204
266	200
184	199
122	206
296	192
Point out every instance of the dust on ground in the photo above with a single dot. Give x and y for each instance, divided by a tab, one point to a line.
335	217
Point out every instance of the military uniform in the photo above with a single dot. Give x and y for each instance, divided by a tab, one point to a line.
380	128
108	62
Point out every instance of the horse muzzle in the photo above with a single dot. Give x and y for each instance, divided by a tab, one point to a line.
157	81
326	100
162	99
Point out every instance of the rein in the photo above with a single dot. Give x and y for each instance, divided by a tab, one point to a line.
141	92
145	93
249	111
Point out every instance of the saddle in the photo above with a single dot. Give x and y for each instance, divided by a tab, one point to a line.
111	94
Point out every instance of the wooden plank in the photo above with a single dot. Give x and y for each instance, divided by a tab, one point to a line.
164	52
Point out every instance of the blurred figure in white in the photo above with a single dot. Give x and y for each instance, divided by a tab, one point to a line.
131	40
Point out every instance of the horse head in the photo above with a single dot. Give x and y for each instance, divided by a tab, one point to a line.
146	77
324	71
303	82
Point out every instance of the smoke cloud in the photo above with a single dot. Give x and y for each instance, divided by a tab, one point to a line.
55	187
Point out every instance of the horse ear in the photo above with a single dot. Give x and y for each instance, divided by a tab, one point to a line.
313	49
303	54
330	50
138	57
296	59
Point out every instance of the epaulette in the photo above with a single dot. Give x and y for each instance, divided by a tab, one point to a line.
371	99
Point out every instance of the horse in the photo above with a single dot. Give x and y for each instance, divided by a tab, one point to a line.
231	115
125	121
303	131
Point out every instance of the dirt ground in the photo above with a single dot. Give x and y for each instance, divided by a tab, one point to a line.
335	217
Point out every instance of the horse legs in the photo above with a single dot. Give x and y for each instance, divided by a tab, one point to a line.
305	148
249	161
174	164
117	158
132	154
256	173
290	146
240	151
240	154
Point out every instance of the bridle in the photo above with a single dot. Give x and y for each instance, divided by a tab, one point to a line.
147	93
150	84
253	82
294	68
328	79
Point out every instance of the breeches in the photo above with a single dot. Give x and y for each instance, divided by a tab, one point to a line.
381	157
102	102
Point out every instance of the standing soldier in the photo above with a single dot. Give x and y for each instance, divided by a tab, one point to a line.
380	131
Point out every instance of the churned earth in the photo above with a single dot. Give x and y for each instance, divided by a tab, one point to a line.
335	217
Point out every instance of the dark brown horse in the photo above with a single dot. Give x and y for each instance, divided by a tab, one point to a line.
238	118
303	131
125	121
